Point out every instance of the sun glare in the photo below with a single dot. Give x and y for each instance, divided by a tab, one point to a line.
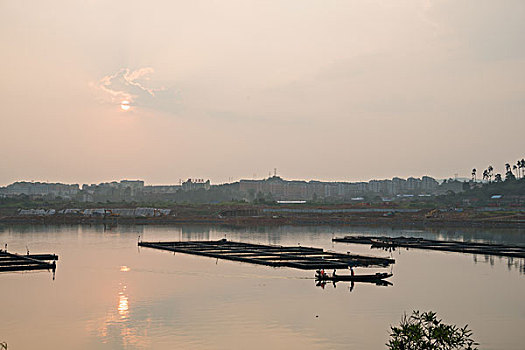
124	105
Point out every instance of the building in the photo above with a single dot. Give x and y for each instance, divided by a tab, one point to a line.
161	189
52	190
196	184
428	184
125	190
280	189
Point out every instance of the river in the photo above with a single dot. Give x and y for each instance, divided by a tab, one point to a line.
108	293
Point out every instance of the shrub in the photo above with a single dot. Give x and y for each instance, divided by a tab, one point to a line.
424	331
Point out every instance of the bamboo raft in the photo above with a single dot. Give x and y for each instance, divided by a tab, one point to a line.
304	258
513	251
19	262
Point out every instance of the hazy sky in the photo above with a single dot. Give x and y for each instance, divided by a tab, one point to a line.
319	89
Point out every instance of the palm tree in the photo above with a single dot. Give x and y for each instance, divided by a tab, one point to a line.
490	170
507	171
485	174
474	174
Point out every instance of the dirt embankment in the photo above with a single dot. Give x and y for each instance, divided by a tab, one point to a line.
422	218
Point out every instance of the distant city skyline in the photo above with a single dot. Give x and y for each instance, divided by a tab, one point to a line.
177	181
230	180
274	188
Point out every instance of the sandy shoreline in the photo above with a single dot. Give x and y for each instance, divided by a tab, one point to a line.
299	220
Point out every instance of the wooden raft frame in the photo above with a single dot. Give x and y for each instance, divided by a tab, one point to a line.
512	251
18	262
305	258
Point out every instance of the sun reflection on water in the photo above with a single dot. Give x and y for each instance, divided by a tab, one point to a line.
118	327
123	305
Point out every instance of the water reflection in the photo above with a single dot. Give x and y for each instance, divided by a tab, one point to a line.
123	305
322	284
117	328
517	264
154	300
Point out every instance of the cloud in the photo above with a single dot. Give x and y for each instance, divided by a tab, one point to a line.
129	85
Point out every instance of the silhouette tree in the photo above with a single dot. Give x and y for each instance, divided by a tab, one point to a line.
520	164
426	331
485	175
474	174
497	178
490	170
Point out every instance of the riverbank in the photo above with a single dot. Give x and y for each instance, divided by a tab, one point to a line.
418	218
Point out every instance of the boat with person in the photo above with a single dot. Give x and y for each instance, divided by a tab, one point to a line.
322	276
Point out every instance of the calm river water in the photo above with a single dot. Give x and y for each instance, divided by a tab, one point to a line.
109	294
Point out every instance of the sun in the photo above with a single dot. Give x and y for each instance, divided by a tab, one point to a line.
124	105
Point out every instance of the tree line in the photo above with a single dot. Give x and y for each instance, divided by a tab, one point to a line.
512	172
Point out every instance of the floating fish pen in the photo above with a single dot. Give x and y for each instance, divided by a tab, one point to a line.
19	262
304	258
513	251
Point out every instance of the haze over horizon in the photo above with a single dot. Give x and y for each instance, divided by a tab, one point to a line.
146	183
325	90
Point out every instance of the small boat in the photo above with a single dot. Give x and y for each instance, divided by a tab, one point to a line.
356	278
